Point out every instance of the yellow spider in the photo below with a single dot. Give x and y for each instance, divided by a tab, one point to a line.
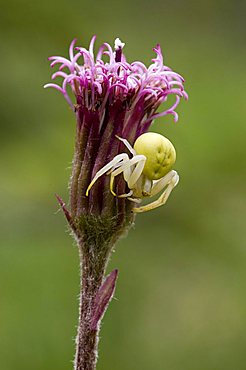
146	173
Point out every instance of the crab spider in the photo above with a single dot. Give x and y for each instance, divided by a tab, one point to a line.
147	172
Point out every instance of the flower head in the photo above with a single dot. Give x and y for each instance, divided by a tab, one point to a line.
97	83
112	97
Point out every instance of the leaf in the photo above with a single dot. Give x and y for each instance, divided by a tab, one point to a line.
103	297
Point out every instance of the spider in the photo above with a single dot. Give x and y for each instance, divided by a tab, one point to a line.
146	173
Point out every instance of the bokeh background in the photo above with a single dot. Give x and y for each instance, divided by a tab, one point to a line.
181	297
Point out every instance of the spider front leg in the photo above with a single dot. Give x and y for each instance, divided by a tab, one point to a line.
168	182
117	160
131	175
127	144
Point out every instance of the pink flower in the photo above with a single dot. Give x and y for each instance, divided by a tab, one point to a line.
97	83
110	97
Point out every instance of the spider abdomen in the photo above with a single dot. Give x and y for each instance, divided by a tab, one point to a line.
159	152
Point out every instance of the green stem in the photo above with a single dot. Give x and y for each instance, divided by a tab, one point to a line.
93	265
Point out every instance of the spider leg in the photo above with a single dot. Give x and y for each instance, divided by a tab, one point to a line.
162	183
125	195
119	164
168	182
137	172
130	176
135	200
126	174
118	158
127	144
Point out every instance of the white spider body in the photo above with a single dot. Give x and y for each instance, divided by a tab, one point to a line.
146	173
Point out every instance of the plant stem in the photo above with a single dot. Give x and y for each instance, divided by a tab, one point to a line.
93	265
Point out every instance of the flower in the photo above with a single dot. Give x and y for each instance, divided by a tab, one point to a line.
96	83
115	103
112	98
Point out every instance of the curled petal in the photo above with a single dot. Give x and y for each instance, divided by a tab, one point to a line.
55	86
91	47
71	49
59	74
134	82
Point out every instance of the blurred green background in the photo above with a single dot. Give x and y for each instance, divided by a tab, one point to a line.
181	297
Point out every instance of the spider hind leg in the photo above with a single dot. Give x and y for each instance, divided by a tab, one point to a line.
168	182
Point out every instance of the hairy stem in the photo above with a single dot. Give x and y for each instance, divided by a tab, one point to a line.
93	265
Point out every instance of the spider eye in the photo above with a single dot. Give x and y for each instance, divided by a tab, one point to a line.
160	154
